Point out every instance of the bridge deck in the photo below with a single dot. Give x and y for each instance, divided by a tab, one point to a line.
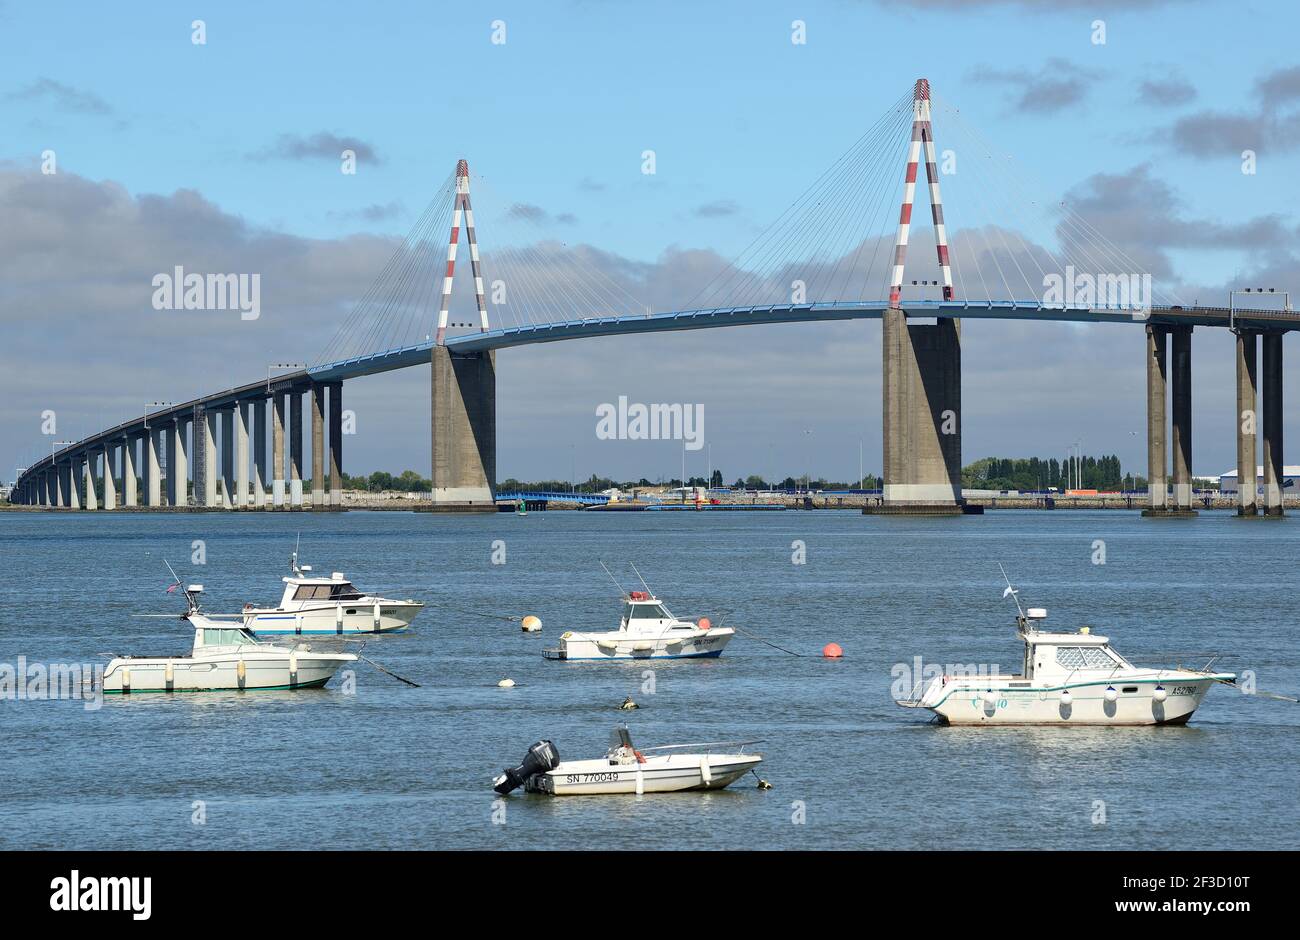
419	354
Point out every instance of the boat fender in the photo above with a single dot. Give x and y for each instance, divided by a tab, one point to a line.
1066	697
169	675
706	772
242	672
126	680
640	781
1111	694
293	668
1160	694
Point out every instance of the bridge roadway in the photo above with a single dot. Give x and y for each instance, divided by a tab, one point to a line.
44	483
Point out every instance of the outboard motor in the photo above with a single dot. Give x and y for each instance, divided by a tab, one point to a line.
540	758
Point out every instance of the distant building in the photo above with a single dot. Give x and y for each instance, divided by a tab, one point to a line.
1290	480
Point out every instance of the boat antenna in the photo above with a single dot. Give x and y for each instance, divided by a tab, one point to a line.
189	598
642	580
621	592
1015	595
293	559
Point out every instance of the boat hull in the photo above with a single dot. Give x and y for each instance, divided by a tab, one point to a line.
1134	703
260	673
610	647
674	774
326	621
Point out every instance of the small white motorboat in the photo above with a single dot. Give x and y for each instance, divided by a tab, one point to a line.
647	630
224	656
1068	679
323	606
625	769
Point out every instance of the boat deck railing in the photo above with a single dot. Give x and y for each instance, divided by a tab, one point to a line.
708	746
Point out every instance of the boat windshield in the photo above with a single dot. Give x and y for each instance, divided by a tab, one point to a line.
225	636
1086	657
644	612
344	592
338	591
620	738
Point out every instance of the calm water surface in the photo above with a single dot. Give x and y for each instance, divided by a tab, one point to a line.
397	767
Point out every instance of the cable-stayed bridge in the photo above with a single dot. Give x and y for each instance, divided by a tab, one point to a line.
840	251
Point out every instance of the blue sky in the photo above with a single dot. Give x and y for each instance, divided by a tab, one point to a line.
558	117
732	108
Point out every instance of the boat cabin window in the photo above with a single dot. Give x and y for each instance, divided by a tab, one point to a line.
1084	657
309	592
216	636
644	612
343	592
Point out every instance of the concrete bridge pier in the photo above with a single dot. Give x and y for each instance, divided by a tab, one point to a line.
1159	369
1272	402
464	430
1247	422
74	484
239	414
295	448
88	481
109	479
226	486
1157	394
921	400
152	467
336	444
177	464
1181	439
130	491
278	403
317	445
205	456
258	411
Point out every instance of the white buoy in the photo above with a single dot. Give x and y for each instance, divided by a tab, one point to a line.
1160	694
1111	694
506	684
990	697
1066	697
531	624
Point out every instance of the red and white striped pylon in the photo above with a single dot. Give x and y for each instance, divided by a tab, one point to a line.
922	132
462	205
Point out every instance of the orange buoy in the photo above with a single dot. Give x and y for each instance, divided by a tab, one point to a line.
704	623
832	651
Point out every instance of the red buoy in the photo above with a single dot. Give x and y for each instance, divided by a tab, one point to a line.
832	651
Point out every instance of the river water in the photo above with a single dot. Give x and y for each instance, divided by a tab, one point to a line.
384	765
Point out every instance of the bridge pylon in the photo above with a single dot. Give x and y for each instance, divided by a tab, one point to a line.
463	390
921	363
463	212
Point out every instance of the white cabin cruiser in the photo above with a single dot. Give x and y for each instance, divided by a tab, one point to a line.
647	630
333	605
625	769
1067	679
224	656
